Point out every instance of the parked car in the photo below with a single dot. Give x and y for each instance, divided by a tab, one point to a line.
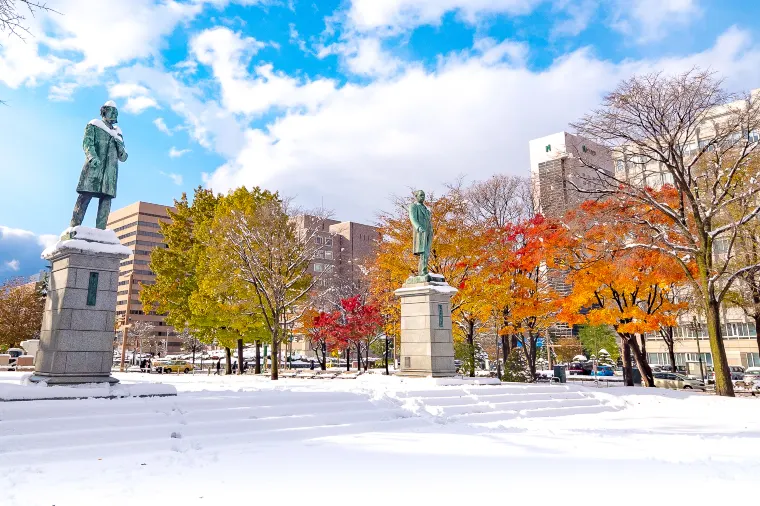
750	379
604	370
579	368
170	366
737	374
677	381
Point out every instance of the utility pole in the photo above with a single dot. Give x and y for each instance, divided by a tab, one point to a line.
125	324
699	351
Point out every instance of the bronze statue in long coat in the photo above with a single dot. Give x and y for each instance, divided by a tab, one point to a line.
103	147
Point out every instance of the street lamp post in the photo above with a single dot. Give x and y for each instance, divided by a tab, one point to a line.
699	351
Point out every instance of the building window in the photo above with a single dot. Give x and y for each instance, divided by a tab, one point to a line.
319	254
318	240
319	267
328	255
754	136
328	241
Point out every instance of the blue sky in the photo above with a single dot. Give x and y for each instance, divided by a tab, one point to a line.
342	102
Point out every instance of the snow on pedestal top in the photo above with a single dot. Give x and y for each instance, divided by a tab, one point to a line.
86	239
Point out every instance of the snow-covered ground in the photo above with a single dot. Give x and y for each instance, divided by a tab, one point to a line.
378	440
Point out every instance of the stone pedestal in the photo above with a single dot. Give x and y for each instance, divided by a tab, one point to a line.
427	346
76	340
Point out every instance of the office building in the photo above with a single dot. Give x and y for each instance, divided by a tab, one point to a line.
137	226
339	261
557	173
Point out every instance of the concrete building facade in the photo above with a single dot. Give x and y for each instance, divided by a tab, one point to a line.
137	226
555	165
343	247
556	172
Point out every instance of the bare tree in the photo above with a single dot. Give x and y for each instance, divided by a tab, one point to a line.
687	132
746	295
143	333
270	247
13	16
499	200
190	343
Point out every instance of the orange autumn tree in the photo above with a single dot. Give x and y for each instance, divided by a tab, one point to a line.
516	267
613	284
454	245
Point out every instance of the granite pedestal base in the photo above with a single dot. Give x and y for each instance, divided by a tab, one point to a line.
427	346
76	340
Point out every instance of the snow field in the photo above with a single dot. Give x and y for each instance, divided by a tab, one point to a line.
376	440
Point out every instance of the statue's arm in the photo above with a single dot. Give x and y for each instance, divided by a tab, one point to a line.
121	150
88	144
414	218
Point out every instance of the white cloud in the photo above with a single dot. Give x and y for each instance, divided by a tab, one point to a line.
89	37
651	20
177	153
20	251
210	125
161	125
62	92
176	178
228	54
579	14
366	56
474	114
136	105
405	14
296	39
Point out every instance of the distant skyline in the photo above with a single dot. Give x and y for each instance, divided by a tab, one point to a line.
344	102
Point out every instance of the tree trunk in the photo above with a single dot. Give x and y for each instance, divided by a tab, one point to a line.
366	357
227	360
323	363
627	366
240	356
723	384
275	358
671	344
348	357
359	356
644	346
257	367
471	346
641	360
387	372
757	330
504	350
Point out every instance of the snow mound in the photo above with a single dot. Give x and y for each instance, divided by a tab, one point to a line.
87	239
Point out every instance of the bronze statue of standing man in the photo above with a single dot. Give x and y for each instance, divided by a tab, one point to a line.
103	146
422	242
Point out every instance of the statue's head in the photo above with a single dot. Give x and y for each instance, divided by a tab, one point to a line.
109	112
419	196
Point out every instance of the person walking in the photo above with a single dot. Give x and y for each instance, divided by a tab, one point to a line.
219	367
